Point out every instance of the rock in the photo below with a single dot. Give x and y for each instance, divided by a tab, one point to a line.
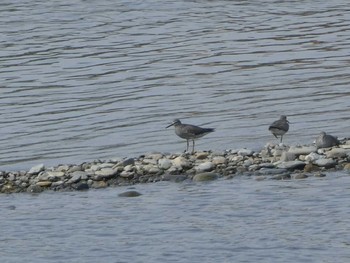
300	176
62	168
347	166
58	183
106	173
292	165
202	177
327	163
337	153
304	150
247	163
74	168
54	175
310	168
34	189
204	167
151	169
245	152
287	156
260	178
219	160
82	186
181	162
36	169
201	155
313	157
99	184
164	163
44	183
155	156
129	161
319	175
76	176
272	171
129	194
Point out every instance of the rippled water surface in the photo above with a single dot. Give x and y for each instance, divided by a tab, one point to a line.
238	220
85	80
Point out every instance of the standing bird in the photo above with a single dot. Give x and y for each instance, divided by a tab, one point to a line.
325	141
279	127
189	132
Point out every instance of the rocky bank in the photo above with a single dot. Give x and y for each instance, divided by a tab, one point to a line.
272	162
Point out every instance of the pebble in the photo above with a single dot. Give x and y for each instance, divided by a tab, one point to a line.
305	150
37	169
202	177
292	165
181	162
219	160
245	152
287	156
328	163
129	194
106	173
164	163
337	153
204	167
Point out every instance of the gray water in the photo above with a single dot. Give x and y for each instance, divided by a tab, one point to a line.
238	220
85	80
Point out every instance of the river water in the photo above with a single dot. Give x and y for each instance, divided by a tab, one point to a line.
237	220
84	80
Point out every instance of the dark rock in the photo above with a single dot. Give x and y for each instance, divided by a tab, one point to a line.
81	186
34	189
129	194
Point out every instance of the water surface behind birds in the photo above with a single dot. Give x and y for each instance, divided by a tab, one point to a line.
85	80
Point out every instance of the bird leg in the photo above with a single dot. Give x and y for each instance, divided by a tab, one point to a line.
193	147
188	144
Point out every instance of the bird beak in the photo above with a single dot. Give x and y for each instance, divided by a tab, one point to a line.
170	125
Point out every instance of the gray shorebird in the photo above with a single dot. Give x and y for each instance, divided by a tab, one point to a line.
279	127
325	141
189	132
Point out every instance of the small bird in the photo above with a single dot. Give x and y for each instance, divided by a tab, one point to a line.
279	127
189	132
325	141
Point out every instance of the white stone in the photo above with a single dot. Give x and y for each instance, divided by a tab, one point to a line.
106	172
287	156
181	162
337	153
313	157
245	152
325	162
37	169
298	150
164	163
219	160
204	167
292	165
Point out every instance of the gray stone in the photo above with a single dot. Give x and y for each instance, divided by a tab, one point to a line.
44	183
181	162
76	177
106	173
327	163
302	150
129	194
292	165
164	163
82	186
271	171
204	167
52	175
313	157
337	153
245	152
300	176
219	160
129	161
287	156
36	169
202	177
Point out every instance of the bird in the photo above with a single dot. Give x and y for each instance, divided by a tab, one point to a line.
279	127
189	132
325	141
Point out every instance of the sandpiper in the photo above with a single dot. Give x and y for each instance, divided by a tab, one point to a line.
189	132
279	127
325	141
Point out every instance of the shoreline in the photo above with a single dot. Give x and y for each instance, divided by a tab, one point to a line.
272	162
